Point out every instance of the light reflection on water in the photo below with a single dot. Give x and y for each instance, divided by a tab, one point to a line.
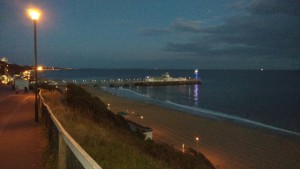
196	94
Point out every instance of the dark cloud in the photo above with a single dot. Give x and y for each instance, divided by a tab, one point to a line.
154	32
288	7
266	30
179	25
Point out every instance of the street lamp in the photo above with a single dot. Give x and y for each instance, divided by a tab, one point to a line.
35	14
197	144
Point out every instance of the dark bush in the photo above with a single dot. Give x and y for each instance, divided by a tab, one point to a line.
81	100
175	158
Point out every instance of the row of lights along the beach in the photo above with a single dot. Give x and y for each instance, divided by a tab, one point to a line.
103	80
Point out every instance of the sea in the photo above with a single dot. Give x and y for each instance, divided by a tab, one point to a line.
268	99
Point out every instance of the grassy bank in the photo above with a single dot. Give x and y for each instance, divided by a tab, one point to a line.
107	139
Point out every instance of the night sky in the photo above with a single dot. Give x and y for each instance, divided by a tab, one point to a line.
203	34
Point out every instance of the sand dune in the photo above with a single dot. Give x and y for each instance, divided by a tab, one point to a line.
226	144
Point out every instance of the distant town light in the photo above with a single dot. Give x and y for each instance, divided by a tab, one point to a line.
40	68
26	73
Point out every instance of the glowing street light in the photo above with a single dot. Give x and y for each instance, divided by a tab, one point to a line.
35	14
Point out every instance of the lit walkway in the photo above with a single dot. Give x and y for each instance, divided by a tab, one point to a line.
20	137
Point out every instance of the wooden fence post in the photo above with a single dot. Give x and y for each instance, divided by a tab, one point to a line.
62	152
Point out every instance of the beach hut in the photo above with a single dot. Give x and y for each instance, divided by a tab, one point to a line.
137	127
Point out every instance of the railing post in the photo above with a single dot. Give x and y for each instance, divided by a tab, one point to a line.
47	116
62	152
44	115
50	131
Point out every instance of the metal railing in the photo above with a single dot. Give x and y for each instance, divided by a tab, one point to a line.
69	152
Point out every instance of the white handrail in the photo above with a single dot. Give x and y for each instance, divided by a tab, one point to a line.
85	159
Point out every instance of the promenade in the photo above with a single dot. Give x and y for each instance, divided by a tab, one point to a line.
21	139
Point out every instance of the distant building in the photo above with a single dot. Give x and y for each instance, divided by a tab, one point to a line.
3	68
4	59
147	132
5	78
164	78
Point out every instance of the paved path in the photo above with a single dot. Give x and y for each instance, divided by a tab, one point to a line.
20	136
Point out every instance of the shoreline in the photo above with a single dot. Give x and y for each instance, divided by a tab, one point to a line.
225	144
201	112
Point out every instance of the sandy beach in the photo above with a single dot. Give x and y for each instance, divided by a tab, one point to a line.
227	145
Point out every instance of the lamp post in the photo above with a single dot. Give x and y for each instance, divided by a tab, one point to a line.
142	117
35	16
197	144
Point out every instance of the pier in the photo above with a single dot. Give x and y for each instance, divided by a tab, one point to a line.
122	83
167	83
149	83
164	80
